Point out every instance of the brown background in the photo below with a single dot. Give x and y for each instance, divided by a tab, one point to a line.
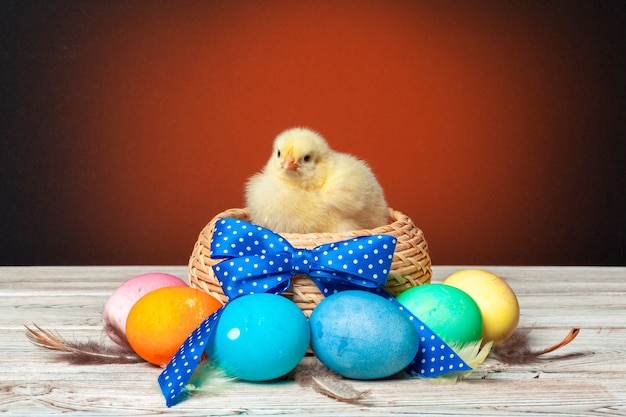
496	126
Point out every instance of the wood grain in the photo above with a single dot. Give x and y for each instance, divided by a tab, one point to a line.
587	377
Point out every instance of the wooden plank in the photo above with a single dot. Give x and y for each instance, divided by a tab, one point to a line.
587	377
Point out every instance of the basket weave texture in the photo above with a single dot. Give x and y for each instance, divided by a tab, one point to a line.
411	264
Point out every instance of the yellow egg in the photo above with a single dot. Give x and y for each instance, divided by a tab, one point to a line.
497	302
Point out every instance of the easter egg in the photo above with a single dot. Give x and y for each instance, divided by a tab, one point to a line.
259	337
126	295
161	321
497	301
361	335
449	312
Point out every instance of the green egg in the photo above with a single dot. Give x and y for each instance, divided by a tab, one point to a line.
448	311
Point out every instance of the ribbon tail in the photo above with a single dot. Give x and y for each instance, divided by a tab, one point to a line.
434	357
179	370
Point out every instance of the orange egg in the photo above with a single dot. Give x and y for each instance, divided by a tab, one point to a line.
160	321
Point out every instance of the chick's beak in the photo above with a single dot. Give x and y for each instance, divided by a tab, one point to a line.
289	162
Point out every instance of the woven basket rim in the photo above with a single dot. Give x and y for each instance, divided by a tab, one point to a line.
393	214
411	264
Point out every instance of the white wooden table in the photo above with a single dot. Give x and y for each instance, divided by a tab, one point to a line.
587	377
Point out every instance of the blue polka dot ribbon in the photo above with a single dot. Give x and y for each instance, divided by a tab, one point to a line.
258	260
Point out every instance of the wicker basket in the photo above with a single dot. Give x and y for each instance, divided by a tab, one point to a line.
410	267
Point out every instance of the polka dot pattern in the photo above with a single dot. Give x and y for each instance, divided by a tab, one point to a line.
434	356
259	260
179	370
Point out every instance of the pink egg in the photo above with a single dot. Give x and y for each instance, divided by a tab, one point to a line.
126	295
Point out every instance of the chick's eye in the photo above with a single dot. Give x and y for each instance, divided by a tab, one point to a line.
307	158
278	153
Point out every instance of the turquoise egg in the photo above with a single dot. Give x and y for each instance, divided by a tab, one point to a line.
448	311
259	337
362	335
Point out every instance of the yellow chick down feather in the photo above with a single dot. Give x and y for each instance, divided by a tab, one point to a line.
306	187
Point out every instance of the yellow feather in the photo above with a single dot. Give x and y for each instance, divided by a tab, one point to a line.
208	379
472	354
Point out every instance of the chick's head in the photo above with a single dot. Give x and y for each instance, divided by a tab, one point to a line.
297	154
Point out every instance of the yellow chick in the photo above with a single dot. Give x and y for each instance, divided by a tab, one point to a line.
306	187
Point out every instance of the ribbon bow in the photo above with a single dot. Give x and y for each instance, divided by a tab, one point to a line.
257	260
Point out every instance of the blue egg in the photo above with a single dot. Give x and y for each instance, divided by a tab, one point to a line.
259	337
361	335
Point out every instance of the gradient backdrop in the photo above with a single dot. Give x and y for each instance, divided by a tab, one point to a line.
496	126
